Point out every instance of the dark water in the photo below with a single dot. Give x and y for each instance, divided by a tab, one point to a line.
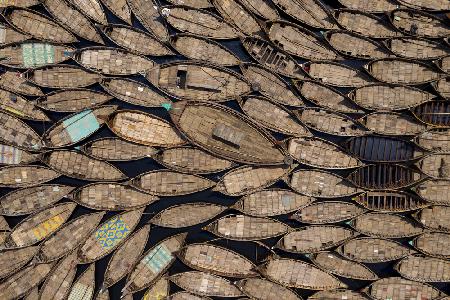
249	249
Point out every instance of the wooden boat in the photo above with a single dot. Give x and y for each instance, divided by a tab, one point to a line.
193	3
313	239
77	127
298	41
153	264
402	289
325	96
320	153
170	183
10	155
263	9
433	244
235	13
433	113
271	202
325	212
246	228
415	48
192	80
30	200
109	235
15	132
259	288
183	295
112	61
37	25
200	22
92	9
442	86
119	8
434	217
390	123
373	250
61	76
338	294
434	139
20	107
418	23
133	92
19	3
40	225
25	176
68	237
435	165
434	191
216	260
72	20
58	282
230	135
245	180
111	196
364	23
115	149
144	129
84	285
187	159
34	54
310	12
20	283
388	97
390	201
273	116
4	231
355	45
135	40
337	265
385	225
159	289
199	48
329	122
14	259
444	63
10	35
187	214
149	16
77	165
336	74
380	6
123	260
270	84
72	100
322	184
402	71
422	268
434	5
33	294
383	149
16	83
291	273
205	284
272	57
384	176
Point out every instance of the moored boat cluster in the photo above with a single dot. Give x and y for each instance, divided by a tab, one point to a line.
209	149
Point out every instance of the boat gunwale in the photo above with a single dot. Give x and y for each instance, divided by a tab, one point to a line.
329	221
332	271
398	192
182	256
221	189
430	125
6	13
106	30
280	243
45	159
197	203
136	181
242	117
46	135
149	115
421	12
173	39
82	257
435	85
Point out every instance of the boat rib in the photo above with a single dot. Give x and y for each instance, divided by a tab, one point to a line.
433	113
390	201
